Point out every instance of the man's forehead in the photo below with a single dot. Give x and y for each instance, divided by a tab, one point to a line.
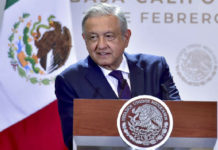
95	20
102	26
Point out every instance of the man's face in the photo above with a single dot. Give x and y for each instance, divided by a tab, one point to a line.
104	40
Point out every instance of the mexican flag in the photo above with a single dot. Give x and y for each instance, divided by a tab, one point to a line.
36	44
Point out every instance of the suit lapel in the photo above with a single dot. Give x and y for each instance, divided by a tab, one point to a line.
136	77
95	76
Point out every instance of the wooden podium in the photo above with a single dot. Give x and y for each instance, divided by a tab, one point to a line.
195	123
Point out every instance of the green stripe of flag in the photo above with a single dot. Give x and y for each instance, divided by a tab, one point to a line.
9	3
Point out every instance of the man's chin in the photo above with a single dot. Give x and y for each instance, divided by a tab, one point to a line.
103	63
109	67
106	66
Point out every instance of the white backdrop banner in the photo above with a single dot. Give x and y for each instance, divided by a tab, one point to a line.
183	31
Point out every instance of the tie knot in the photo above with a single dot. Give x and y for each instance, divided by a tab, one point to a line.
123	87
117	74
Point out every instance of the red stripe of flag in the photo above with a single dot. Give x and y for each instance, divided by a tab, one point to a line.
40	131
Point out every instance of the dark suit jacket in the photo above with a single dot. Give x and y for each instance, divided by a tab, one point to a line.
149	75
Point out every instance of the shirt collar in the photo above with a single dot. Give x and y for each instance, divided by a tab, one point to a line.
123	67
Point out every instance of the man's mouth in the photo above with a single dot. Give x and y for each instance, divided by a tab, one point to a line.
103	53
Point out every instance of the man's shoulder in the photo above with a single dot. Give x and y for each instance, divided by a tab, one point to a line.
143	58
76	69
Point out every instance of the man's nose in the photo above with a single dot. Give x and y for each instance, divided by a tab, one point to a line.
102	43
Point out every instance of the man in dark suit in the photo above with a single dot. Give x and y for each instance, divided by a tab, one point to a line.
106	36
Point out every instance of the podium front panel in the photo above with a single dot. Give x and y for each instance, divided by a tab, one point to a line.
195	123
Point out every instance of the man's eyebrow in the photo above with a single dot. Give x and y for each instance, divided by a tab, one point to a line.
109	32
91	33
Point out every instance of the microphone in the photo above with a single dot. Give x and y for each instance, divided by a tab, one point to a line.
165	94
123	84
95	93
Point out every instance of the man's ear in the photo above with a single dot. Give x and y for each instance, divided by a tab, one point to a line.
83	35
127	36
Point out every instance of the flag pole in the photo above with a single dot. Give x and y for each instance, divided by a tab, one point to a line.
2	7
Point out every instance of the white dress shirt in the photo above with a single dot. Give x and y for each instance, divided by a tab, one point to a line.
113	81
